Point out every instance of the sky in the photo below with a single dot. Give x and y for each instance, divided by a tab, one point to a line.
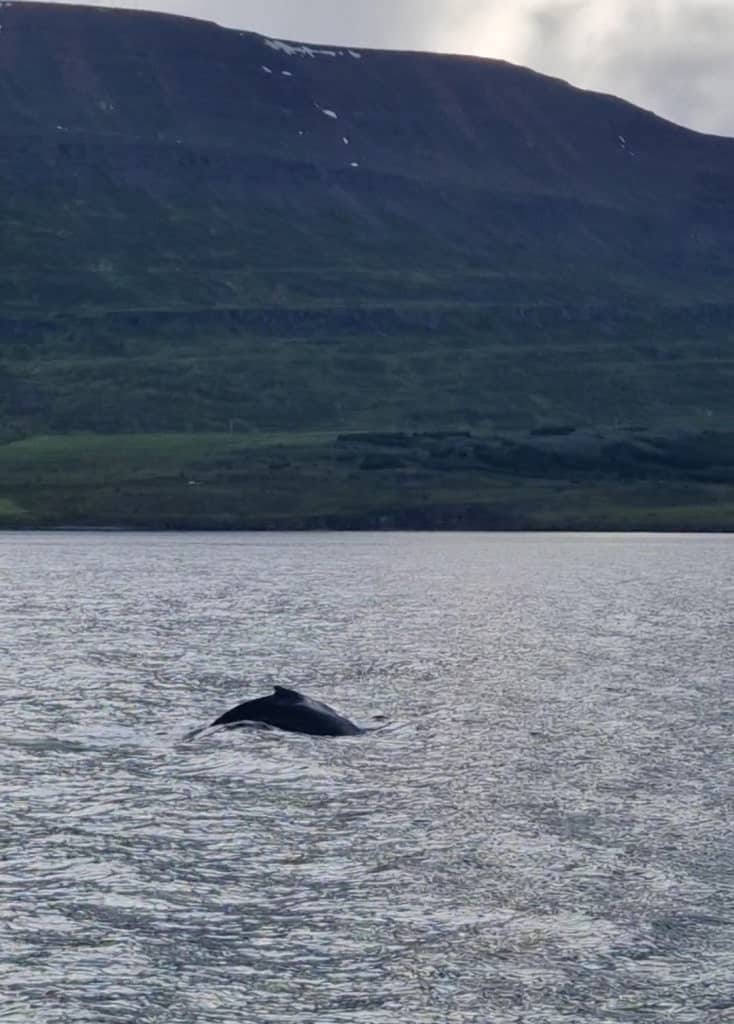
675	57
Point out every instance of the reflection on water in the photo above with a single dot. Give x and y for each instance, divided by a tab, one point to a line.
542	835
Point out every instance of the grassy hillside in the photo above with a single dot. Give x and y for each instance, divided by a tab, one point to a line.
400	368
552	479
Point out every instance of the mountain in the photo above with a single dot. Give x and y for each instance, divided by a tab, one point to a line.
211	233
166	161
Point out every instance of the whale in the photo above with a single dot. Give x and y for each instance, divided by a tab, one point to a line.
288	710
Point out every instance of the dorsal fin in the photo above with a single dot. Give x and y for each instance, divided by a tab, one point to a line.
283	691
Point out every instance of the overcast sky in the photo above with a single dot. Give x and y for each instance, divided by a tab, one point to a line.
675	57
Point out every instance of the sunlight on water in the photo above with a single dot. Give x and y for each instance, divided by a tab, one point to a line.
542	834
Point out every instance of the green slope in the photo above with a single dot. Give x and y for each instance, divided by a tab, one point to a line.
545	480
409	367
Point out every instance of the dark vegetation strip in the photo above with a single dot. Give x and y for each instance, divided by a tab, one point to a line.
557	478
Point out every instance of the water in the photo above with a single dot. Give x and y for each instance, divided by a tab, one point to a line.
543	834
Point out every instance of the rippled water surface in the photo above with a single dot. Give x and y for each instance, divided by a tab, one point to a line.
542	834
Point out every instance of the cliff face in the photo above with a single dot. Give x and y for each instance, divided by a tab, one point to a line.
148	161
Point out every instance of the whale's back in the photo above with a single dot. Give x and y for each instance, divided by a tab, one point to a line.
292	711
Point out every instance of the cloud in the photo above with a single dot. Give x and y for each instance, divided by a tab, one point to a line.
671	56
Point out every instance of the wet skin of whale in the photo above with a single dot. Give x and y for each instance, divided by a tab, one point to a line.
290	710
